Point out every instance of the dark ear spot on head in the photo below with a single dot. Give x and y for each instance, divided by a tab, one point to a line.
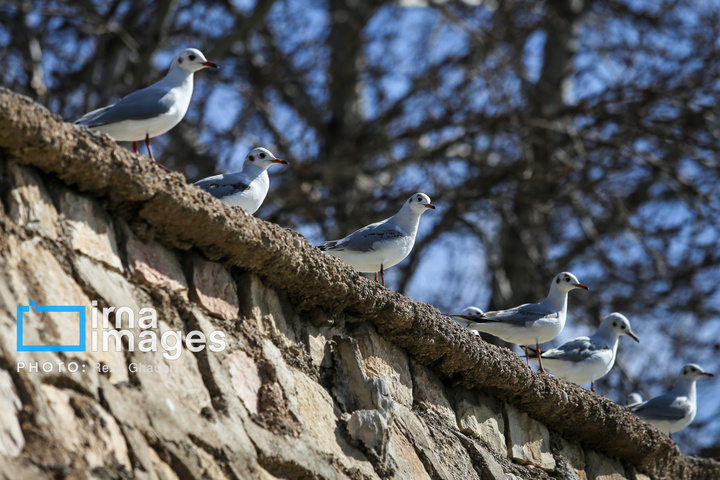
179	60
614	324
252	159
558	280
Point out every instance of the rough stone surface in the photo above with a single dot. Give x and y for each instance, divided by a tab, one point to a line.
599	467
89	229
214	288
29	202
153	265
481	417
12	440
309	346
528	440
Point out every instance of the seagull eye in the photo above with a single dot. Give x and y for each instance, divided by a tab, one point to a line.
567	279
191	57
623	327
262	155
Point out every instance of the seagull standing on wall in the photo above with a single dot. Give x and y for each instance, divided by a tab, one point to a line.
154	110
676	410
382	245
586	359
529	323
248	188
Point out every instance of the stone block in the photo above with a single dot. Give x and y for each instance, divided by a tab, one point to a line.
529	440
29	203
245	379
443	455
153	265
83	426
481	417
383	359
89	229
214	288
600	467
575	457
429	390
320	421
318	346
12	440
265	307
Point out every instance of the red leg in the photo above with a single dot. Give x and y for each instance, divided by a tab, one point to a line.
592	385
135	148
527	355
152	157
147	144
382	274
376	280
539	354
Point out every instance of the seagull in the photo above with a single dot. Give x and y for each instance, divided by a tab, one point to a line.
633	399
586	359
247	188
470	311
529	323
381	245
673	411
154	110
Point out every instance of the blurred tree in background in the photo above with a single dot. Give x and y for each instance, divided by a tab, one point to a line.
553	135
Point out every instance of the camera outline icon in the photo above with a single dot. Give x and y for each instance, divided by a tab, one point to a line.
79	309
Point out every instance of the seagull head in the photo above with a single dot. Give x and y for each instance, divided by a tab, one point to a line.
693	371
192	60
620	325
419	203
262	158
566	281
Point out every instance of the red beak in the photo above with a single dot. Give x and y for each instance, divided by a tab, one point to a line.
580	285
430	205
209	65
280	160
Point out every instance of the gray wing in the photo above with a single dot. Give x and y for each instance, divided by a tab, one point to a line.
516	316
575	350
149	102
220	186
664	407
364	239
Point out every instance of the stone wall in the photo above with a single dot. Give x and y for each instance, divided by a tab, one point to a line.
324	374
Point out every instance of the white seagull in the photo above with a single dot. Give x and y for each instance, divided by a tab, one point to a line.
381	245
246	189
586	359
633	399
529	323
471	310
154	110
673	411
